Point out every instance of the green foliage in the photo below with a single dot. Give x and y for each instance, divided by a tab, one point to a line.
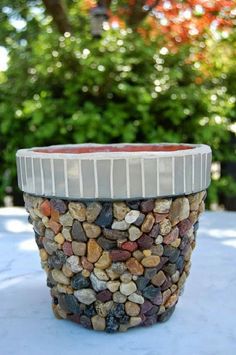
75	89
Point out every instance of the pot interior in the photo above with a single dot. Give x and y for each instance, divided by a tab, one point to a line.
113	148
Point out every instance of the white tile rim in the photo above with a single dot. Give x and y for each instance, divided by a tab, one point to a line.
198	150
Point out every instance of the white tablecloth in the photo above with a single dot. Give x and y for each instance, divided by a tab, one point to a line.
204	322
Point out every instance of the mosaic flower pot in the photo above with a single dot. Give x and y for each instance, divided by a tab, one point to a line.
115	226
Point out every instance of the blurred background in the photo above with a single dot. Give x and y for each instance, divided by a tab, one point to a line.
119	71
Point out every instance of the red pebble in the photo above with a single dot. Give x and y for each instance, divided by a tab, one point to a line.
184	226
45	208
130	246
120	255
67	248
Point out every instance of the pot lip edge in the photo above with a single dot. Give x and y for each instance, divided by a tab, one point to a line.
31	153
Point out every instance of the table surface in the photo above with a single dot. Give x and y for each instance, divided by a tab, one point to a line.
204	322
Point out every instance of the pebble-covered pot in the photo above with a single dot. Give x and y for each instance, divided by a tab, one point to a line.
115	226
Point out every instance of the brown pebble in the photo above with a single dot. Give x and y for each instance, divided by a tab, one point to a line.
56	227
134	267
132	309
67	248
172	236
79	248
86	264
148	223
91	230
94	251
104	261
159	278
151	261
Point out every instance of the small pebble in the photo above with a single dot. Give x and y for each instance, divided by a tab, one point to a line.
58	205
148	223
162	205
86	295
151	261
179	210
104	296
101	274
77	232
66	233
73	263
105	217
132	309
79	248
91	230
134	266
132	216
165	226
99	323
93	210
66	220
77	211
78	281
107	244
67	248
147	206
59	238
94	251
158	279
126	277
120	225
114	234
119	210
145	242
113	286
130	246
136	298
58	276
119	298
134	233
104	261
120	255
128	288
98	285
172	236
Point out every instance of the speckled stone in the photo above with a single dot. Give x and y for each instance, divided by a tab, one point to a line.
128	288
78	281
118	297
74	263
66	232
85	295
120	209
91	230
77	211
77	232
56	260
101	274
184	226
134	233
58	276
79	248
66	220
113	286
162	205
93	210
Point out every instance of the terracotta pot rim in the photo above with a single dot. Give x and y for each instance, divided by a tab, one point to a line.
158	170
